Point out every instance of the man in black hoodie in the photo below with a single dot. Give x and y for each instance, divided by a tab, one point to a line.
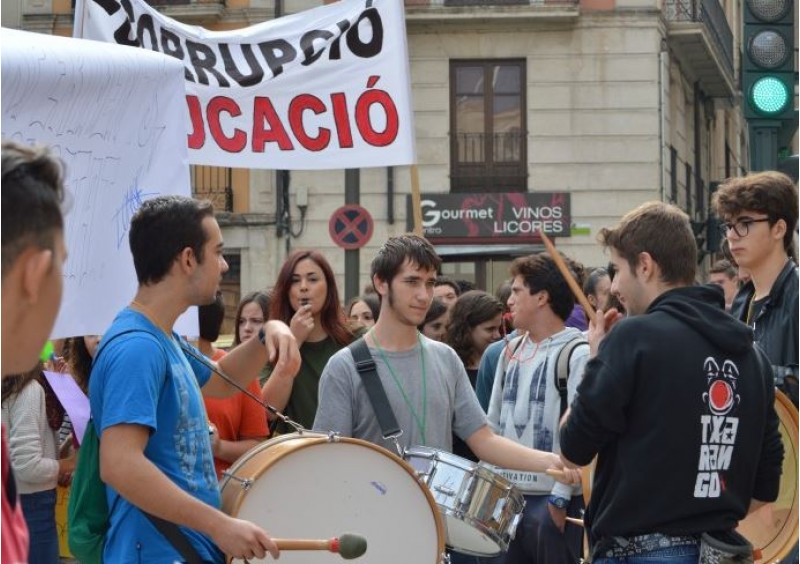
676	403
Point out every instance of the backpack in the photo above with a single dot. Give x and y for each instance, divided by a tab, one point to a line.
88	514
563	359
87	510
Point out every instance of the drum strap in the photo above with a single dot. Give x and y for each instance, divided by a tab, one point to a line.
365	366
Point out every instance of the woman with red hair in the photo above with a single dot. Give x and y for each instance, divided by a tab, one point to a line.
305	297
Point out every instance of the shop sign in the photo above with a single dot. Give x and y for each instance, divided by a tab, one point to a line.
493	218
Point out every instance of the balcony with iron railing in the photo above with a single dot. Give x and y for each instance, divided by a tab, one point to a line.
504	171
213	183
699	35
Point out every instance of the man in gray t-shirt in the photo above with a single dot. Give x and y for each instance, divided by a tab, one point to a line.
425	382
347	408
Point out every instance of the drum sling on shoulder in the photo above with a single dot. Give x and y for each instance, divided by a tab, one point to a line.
88	513
365	366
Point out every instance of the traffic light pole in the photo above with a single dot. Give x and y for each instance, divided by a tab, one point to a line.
764	144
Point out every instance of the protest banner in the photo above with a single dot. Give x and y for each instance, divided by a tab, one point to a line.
326	88
114	116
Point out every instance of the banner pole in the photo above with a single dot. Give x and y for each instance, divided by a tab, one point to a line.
416	205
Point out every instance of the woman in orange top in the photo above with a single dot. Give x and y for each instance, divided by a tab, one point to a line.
237	423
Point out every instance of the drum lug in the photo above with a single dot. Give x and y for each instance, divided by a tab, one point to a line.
446	491
333	437
244	483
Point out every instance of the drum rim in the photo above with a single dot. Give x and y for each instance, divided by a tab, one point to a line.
312	439
786	546
502	543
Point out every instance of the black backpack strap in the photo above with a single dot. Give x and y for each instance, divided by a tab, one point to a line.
365	366
562	369
167	528
176	538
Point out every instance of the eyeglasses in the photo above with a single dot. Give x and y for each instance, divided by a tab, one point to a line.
741	227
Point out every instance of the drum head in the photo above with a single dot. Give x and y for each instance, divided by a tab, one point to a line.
773	528
309	488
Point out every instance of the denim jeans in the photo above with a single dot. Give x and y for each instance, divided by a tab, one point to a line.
671	555
40	515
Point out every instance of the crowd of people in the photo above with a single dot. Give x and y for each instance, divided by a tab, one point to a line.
523	379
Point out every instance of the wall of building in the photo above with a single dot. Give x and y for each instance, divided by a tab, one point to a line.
605	101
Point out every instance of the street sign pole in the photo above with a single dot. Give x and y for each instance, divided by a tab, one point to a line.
352	195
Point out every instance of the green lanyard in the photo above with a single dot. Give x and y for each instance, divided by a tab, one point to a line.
421	424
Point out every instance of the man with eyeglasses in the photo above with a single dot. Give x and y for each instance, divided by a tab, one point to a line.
759	214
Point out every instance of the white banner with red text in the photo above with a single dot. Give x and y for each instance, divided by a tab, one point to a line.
326	88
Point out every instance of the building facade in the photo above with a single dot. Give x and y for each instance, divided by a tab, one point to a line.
604	103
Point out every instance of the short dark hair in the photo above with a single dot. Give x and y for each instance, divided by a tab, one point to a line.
396	250
210	318
161	229
661	230
725	267
770	192
465	286
447	281
32	196
540	272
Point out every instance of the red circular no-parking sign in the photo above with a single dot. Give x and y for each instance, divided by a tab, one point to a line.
350	227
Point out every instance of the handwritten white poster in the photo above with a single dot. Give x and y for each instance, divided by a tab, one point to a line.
116	117
326	88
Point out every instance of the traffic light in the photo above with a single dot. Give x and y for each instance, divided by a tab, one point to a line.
768	76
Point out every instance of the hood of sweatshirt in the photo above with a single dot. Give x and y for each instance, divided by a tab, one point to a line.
702	309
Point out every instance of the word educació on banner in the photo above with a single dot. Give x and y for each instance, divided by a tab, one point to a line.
267	126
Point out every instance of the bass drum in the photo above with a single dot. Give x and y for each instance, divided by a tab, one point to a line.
311	486
773	528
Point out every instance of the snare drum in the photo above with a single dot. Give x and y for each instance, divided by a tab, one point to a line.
309	486
481	509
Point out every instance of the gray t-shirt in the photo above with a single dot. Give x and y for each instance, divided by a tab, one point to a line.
451	405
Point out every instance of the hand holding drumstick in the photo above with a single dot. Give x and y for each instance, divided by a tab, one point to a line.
599	323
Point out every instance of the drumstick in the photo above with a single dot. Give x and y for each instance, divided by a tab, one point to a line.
575	521
559	475
348	546
564	269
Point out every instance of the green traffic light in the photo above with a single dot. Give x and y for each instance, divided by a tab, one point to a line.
769	95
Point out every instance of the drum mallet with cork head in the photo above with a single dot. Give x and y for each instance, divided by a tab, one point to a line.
348	546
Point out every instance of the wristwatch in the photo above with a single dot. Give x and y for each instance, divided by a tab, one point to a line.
560	502
262	336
